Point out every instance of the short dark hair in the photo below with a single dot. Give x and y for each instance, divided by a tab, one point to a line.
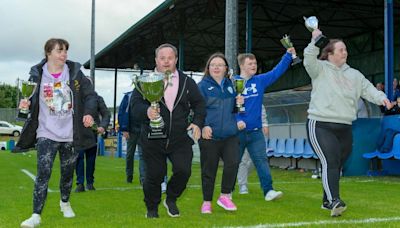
329	48
167	45
213	56
51	44
243	56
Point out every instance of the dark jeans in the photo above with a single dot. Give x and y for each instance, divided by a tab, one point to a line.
155	157
132	142
210	153
46	152
332	142
90	155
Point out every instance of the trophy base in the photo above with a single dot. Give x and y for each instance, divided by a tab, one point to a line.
22	116
157	133
321	41
296	60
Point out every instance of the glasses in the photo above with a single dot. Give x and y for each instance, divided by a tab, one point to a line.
217	65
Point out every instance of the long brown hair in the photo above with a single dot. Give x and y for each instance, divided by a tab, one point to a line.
329	48
213	56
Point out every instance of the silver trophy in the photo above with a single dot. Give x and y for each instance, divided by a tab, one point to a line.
151	86
287	43
311	24
239	87
27	90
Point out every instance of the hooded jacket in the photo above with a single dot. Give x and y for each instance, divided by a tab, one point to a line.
84	103
254	93
125	116
336	90
220	106
103	112
176	122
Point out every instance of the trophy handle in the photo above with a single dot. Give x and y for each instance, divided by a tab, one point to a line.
137	87
33	91
168	78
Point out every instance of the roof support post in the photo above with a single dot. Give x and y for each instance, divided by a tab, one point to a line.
249	26
181	57
231	32
92	40
115	96
389	46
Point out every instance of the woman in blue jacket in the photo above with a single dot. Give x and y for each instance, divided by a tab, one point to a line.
219	134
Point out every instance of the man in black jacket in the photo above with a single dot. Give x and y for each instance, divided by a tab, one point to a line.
181	95
102	119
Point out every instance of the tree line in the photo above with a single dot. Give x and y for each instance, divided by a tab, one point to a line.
8	96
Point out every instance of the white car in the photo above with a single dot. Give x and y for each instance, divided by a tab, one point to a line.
9	129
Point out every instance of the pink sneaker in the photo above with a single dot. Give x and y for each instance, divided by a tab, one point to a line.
226	203
206	208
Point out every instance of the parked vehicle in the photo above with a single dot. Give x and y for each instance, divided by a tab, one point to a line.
9	129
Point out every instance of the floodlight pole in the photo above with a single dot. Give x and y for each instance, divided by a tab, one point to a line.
92	42
249	26
389	56
231	33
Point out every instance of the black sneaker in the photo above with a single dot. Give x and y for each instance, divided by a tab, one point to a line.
172	209
338	207
326	205
90	187
129	179
152	214
80	188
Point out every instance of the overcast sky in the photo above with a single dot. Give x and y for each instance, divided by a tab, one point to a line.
27	24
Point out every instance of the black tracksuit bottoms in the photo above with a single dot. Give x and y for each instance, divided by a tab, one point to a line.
155	158
332	142
210	153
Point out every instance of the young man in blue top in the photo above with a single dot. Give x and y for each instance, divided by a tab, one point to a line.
249	123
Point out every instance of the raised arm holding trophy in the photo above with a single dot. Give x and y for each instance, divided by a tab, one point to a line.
311	24
287	43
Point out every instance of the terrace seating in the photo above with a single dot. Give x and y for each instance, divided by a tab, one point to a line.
308	151
289	148
297	148
377	157
393	154
271	148
280	148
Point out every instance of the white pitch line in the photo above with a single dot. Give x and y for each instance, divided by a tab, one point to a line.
324	222
33	177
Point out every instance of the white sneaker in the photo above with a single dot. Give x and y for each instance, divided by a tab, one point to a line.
66	209
273	195
243	189
33	221
163	187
